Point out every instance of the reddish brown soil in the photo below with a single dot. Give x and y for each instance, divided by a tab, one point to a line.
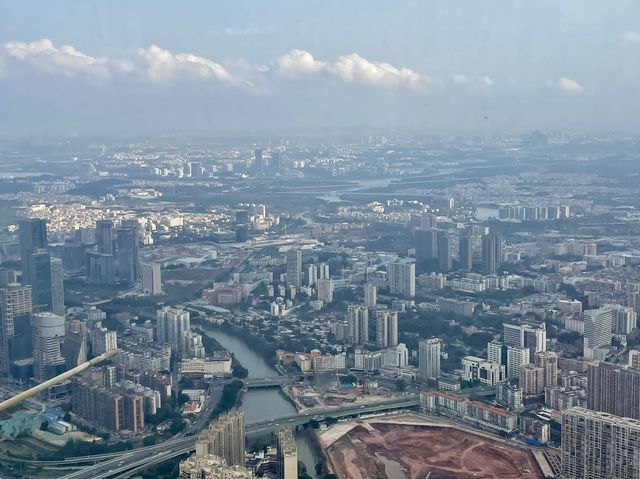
433	451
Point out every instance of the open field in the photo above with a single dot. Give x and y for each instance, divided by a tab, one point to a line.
396	450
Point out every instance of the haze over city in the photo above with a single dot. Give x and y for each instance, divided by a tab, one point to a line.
319	240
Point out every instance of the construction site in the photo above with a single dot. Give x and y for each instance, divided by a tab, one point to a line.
415	447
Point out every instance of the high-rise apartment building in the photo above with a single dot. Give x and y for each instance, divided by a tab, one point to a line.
294	267
613	389
224	438
370	295
386	328
48	336
358	323
32	235
444	251
548	361
15	325
516	357
127	254
426	244
172	324
151	279
531	379
287	454
598	445
465	253
429	352
325	290
401	276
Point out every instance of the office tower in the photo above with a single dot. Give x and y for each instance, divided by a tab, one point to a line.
497	352
613	389
15	330
75	347
325	290
370	295
465	254
548	361
104	236
258	163
294	267
323	271
597	445
531	379
101	268
224	438
311	274
489	254
401	276
151	279
127	254
429	359
73	256
598	324
8	276
48	282
386	328
211	467
529	336
358	323
48	335
172	324
444	251
516	357
33	236
479	369
426	245
287	453
242	217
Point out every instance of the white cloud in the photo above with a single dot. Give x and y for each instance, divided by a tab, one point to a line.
160	64
460	79
568	84
631	38
297	63
355	69
488	81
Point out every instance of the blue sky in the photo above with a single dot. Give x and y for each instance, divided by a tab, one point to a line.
469	66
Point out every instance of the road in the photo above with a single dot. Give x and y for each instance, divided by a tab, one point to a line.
132	462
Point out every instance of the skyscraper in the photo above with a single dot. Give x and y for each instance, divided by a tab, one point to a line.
531	379
33	236
151	279
325	290
287	453
370	295
386	328
598	445
15	330
401	276
47	282
444	251
548	361
294	267
529	336
100	268
127	254
426	244
429	352
172	324
48	336
358	323
598	324
258	162
224	438
465	253
489	254
516	357
104	236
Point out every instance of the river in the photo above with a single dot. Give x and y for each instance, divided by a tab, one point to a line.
260	404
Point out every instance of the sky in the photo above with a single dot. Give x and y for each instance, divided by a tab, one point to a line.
453	66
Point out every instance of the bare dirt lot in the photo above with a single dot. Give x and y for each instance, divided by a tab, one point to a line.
395	451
